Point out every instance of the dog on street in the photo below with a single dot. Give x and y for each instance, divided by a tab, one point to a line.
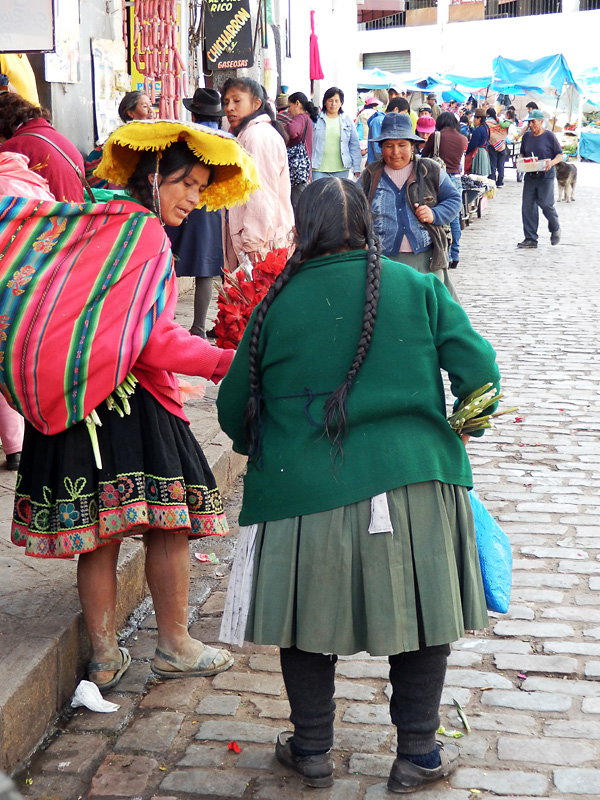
566	175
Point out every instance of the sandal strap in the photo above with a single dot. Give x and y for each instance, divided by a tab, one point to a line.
204	661
107	666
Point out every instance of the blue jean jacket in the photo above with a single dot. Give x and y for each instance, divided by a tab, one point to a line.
374	148
349	144
393	219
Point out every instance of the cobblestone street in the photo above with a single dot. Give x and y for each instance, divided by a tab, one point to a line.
529	684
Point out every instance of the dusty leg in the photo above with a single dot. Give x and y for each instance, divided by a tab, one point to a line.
168	575
97	586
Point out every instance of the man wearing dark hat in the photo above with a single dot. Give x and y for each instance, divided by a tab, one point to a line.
538	187
432	101
205	103
198	243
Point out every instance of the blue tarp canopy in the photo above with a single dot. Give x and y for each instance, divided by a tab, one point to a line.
375	79
589	145
589	81
531	75
510	76
466	82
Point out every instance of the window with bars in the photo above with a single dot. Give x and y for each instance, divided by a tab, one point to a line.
397	20
497	9
494	9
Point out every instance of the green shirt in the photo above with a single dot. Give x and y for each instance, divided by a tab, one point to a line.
332	152
397	428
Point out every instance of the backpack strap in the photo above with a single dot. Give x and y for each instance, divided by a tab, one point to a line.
420	185
303	139
78	171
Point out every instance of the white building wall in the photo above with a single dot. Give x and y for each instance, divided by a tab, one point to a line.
468	48
336	28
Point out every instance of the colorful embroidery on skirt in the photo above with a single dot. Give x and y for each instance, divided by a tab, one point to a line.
132	503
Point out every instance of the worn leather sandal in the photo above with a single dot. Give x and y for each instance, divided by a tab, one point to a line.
119	668
408	777
312	770
211	661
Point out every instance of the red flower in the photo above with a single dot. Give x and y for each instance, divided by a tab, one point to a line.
240	295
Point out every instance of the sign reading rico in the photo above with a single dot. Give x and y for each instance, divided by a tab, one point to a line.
227	35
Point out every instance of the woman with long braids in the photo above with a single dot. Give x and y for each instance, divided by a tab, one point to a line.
359	533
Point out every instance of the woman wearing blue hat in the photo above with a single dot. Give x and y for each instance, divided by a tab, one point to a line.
411	198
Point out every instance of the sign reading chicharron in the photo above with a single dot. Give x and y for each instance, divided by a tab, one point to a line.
227	35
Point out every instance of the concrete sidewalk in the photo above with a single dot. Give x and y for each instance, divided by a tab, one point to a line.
43	646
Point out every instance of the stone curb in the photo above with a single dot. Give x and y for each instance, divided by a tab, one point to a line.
44	670
44	658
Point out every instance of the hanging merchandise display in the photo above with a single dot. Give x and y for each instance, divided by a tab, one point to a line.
227	35
271	74
316	71
155	54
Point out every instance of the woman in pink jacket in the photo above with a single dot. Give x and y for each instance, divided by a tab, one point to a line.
266	220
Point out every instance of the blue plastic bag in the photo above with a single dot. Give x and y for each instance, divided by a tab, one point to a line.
495	556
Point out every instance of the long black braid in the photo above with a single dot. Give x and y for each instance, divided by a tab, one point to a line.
332	216
253	408
335	405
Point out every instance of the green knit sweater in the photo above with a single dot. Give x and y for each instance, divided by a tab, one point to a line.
397	428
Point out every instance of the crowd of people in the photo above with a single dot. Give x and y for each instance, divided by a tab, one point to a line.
347	458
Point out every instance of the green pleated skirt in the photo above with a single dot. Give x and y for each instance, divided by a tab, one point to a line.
322	583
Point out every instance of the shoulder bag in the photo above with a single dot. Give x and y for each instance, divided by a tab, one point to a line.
436	150
446	230
298	160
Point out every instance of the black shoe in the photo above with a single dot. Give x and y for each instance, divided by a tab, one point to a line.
527	244
211	334
555	237
12	461
408	777
453	264
312	770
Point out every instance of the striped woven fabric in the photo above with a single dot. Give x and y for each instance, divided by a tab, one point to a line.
80	288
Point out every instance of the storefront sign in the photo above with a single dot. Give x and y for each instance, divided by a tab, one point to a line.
227	35
62	66
27	26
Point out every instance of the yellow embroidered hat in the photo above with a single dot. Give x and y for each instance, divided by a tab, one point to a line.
236	176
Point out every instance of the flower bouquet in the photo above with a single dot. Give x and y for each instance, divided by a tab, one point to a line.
241	292
469	415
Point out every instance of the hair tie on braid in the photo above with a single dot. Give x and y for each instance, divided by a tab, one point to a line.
156	190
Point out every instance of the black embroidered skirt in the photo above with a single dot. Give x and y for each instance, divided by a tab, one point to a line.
154	476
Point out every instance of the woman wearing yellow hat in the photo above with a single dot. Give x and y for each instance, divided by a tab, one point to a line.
88	294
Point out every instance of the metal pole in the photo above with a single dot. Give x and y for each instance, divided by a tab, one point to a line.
556	109
579	126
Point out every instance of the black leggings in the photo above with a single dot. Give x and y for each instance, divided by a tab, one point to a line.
417	679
